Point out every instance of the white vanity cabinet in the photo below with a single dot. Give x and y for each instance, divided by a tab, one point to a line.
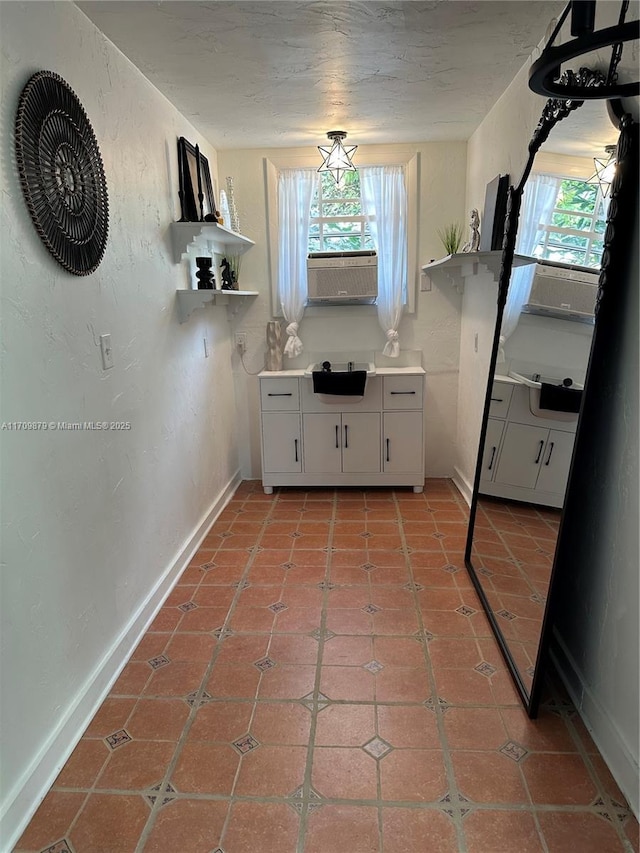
525	457
307	441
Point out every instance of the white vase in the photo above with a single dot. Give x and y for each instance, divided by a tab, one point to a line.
274	346
224	210
234	221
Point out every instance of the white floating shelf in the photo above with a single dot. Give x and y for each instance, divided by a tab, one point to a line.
454	269
190	300
206	236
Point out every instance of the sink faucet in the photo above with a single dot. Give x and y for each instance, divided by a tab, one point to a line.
349	366
536	377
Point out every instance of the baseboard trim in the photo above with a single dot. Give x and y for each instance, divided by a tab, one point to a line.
462	484
27	794
606	735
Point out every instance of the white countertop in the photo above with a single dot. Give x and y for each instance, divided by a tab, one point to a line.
380	371
506	380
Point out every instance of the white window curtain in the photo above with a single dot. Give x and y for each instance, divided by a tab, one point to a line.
384	197
539	200
295	191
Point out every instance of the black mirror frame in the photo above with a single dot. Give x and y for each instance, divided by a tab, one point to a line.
554	111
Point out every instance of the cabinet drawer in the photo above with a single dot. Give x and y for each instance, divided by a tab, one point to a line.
402	392
500	398
280	394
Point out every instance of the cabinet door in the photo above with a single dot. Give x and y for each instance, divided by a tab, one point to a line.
361	442
556	459
521	455
491	447
281	446
402	445
322	443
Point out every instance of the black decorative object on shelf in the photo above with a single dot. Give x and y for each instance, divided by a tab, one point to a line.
61	173
205	275
495	212
197	202
228	282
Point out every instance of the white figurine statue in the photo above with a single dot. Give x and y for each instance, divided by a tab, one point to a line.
474	240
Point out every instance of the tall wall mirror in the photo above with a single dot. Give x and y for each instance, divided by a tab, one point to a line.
538	369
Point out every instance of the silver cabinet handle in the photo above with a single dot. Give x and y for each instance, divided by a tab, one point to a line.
346	435
493	456
295	443
497	400
551	446
388	450
281	394
337	437
539	452
402	392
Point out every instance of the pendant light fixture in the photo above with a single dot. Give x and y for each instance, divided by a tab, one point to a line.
605	170
337	159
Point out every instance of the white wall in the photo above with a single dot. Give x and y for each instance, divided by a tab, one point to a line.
562	346
92	522
434	328
498	147
478	318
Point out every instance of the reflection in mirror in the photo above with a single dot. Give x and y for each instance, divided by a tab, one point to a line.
534	391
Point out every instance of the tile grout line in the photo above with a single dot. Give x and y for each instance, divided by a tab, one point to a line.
451	781
593	773
306	783
232	798
155	809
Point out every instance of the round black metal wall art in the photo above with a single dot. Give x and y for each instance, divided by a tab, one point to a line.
61	173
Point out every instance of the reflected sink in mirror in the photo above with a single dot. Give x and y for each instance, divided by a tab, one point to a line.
534	383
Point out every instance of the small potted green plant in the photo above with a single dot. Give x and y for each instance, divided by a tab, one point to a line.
451	237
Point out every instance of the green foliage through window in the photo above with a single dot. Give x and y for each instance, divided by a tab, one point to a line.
337	220
574	234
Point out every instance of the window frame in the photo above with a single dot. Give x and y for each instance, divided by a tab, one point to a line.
361	218
381	156
590	235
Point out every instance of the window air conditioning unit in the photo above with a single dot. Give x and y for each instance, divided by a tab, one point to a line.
563	291
342	277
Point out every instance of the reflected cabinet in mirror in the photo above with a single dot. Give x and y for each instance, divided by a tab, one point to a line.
539	373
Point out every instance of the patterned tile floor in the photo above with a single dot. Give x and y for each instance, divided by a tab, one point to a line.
513	549
320	680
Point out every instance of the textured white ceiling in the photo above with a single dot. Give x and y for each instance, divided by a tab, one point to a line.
281	73
276	74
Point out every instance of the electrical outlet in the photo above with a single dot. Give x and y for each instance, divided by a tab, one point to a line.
106	352
240	339
425	283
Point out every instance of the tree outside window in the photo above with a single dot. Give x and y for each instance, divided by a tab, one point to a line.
337	220
575	232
